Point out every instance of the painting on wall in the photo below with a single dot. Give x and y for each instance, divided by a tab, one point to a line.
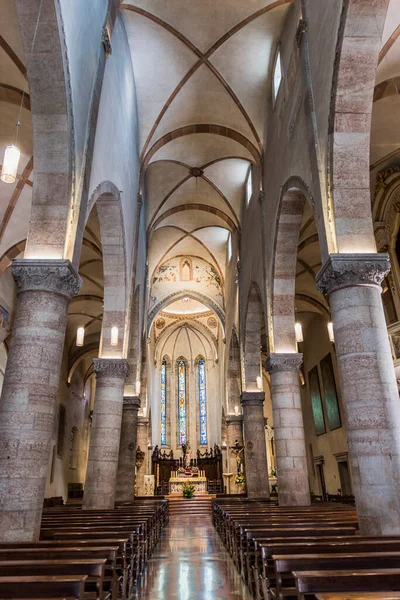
316	402
331	399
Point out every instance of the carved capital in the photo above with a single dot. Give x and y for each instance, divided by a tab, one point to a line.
53	275
348	270
283	362
131	403
230	419
252	398
111	367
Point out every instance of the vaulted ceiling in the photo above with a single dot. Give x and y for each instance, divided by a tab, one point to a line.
203	75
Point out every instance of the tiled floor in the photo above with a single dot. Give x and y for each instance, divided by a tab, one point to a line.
191	563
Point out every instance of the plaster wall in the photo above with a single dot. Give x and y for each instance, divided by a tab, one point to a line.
83	22
315	347
72	398
115	153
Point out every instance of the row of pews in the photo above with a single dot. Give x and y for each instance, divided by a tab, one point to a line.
84	555
306	553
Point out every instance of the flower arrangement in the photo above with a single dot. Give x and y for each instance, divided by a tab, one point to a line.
239	479
188	490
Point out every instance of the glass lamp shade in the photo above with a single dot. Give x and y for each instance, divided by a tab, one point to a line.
114	336
299	332
259	383
138	388
9	170
330	332
80	336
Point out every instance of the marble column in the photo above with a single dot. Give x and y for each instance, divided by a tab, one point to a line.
127	450
291	458
101	475
29	396
255	450
142	434
234	430
368	386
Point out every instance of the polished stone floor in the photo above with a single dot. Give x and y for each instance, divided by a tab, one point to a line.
191	563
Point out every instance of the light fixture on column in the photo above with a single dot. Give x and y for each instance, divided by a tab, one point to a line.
138	388
80	336
12	153
237	411
259	383
114	336
330	332
299	332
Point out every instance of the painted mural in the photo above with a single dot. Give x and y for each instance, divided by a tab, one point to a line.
197	274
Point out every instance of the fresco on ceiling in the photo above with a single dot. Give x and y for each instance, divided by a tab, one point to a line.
186	273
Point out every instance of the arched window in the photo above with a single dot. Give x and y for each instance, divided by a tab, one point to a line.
277	76
181	402
202	401
163	408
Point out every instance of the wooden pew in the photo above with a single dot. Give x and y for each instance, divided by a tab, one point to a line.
93	568
284	565
41	586
309	583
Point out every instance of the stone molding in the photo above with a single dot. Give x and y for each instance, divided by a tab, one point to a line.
144	421
349	270
277	362
131	403
46	275
111	367
252	398
233	419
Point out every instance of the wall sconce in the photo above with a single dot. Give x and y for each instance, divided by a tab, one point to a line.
330	332
259	383
114	336
138	388
299	332
80	336
237	411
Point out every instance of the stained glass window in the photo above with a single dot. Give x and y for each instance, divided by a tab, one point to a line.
203	402
182	402
163	403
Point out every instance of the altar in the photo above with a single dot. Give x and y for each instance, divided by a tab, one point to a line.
176	485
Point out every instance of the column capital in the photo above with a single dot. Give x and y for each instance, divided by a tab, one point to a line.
143	420
48	275
111	367
233	419
349	270
252	398
277	362
131	403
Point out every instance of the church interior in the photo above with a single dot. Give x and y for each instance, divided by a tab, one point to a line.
200	299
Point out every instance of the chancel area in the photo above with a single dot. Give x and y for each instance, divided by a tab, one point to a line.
199	299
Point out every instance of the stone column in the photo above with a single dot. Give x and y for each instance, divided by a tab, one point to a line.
291	458
234	430
127	450
101	475
255	451
368	386
28	402
142	433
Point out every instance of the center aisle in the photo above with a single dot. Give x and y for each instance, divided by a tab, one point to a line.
191	563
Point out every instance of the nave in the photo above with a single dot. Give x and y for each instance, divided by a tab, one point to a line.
191	563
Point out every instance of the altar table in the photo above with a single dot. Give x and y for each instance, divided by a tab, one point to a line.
176	484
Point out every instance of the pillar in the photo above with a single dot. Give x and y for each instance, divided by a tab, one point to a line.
368	386
142	434
255	451
234	430
127	450
29	396
101	475
291	457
